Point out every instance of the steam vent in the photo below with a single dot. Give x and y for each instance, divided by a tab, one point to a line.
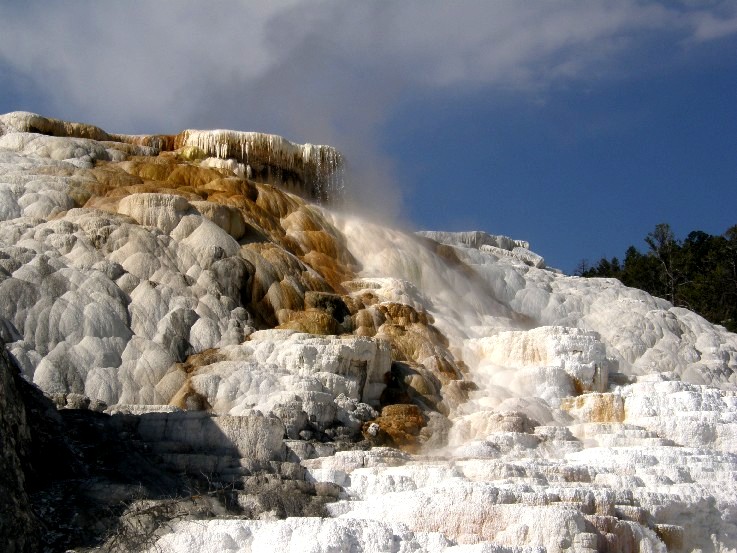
199	353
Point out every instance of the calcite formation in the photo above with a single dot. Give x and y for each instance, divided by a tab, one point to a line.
312	170
431	392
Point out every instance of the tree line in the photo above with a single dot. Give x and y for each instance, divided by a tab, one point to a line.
698	273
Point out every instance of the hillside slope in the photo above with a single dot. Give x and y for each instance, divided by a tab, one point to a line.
438	391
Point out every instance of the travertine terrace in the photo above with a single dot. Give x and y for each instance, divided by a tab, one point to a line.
430	392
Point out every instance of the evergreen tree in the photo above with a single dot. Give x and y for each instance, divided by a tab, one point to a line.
699	273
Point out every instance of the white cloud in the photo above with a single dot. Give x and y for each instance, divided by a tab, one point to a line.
132	62
710	27
322	71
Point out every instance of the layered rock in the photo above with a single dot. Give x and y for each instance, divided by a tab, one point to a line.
313	171
117	480
447	383
317	386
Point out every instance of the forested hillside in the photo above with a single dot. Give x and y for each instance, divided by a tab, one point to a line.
699	273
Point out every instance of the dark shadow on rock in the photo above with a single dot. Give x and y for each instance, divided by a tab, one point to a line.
18	525
78	478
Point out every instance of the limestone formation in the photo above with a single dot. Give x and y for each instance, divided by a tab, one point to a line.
180	298
315	171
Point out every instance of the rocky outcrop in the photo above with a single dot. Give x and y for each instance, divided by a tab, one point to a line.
79	477
313	171
19	528
547	362
474	239
218	347
318	386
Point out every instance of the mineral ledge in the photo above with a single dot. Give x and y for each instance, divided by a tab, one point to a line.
435	392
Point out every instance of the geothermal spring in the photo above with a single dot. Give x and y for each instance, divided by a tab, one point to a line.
204	295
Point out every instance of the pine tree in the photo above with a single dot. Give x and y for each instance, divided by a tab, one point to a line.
699	273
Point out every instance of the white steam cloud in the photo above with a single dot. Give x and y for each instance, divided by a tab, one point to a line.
319	71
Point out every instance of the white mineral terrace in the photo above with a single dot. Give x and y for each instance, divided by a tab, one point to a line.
315	171
318	167
595	417
241	145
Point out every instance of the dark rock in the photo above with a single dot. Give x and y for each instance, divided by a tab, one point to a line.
80	478
19	530
333	305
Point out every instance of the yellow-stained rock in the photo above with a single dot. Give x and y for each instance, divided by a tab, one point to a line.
398	425
311	321
595	407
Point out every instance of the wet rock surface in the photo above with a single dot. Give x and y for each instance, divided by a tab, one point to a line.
220	365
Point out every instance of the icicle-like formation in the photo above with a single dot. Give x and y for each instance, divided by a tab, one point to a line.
474	239
311	170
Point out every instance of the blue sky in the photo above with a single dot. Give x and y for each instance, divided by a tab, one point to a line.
575	125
